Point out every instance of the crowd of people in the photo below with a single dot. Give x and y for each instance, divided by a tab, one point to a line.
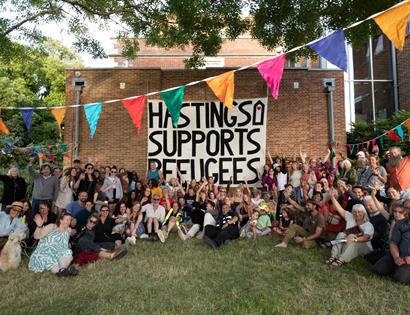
358	207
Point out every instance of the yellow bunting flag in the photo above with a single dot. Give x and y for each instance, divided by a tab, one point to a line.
58	114
407	123
3	127
393	23
223	86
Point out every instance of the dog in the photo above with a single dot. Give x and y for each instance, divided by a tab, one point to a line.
10	257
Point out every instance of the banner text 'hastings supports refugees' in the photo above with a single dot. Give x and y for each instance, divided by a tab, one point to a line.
210	140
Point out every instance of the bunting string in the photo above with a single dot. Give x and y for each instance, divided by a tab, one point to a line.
331	47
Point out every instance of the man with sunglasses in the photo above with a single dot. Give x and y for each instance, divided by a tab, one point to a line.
155	215
87	250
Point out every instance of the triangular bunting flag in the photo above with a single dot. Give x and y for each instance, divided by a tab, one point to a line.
407	123
351	152
42	156
271	71
333	49
393	136
64	147
173	100
135	107
66	154
393	23
3	127
223	87
92	112
400	132
58	114
375	148
349	147
27	115
380	140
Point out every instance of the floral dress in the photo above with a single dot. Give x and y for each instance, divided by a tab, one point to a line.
49	250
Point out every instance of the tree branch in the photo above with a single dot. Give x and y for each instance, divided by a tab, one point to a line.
26	20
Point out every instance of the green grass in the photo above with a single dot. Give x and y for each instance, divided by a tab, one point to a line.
244	277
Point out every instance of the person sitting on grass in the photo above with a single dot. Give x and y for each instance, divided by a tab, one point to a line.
249	230
52	252
155	215
11	222
263	225
225	230
397	262
282	226
311	229
355	240
172	220
103	231
88	251
137	229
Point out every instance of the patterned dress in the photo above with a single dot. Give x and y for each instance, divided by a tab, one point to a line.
49	250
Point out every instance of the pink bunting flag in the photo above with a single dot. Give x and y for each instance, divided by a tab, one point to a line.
271	71
135	107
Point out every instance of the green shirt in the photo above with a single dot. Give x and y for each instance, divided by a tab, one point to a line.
263	222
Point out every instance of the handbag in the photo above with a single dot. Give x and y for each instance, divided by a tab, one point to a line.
354	230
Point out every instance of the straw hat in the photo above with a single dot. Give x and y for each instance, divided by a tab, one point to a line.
16	205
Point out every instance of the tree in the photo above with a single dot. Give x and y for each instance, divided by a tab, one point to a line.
203	24
31	78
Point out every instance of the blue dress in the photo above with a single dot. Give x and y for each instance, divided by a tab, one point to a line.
49	250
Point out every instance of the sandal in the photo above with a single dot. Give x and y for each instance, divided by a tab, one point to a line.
330	260
337	262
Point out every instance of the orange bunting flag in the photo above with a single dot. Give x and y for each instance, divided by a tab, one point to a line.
407	123
393	23
42	156
58	114
223	86
3	127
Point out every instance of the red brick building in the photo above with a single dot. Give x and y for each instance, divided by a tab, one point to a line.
298	119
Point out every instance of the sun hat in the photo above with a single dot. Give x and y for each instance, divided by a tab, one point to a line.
17	205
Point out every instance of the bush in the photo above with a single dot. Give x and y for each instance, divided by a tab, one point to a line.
363	131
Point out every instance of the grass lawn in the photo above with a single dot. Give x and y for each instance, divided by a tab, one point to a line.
244	277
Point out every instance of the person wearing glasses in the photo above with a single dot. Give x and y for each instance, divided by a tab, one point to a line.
88	251
397	262
154	216
103	231
86	181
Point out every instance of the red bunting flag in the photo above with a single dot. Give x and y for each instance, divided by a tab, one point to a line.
66	154
135	107
393	136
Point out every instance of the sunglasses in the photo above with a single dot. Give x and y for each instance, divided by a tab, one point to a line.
93	222
156	199
398	211
90	168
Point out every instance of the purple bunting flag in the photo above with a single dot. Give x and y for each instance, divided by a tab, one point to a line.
27	115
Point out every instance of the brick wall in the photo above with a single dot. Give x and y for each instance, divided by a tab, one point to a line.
299	117
403	75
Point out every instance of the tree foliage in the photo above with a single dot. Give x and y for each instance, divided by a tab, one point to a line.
34	77
202	24
365	130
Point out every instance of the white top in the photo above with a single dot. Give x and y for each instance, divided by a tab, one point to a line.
151	213
295	178
367	228
282	180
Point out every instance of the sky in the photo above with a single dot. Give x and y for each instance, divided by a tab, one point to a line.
57	32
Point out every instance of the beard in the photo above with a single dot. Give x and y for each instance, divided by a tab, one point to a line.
395	161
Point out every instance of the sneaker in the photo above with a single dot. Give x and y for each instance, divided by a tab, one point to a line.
73	271
119	254
144	236
67	272
161	236
131	240
209	242
181	234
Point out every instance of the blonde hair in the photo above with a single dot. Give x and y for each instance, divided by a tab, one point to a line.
11	168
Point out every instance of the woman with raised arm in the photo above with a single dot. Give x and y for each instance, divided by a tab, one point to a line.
14	187
355	240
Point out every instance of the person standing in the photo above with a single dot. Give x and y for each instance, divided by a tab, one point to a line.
45	185
14	187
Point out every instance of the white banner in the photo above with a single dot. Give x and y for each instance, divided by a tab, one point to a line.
210	140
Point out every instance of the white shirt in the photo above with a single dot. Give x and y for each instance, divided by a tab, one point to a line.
151	213
367	228
282	180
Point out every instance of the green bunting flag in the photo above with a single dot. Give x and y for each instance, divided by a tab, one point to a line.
173	100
